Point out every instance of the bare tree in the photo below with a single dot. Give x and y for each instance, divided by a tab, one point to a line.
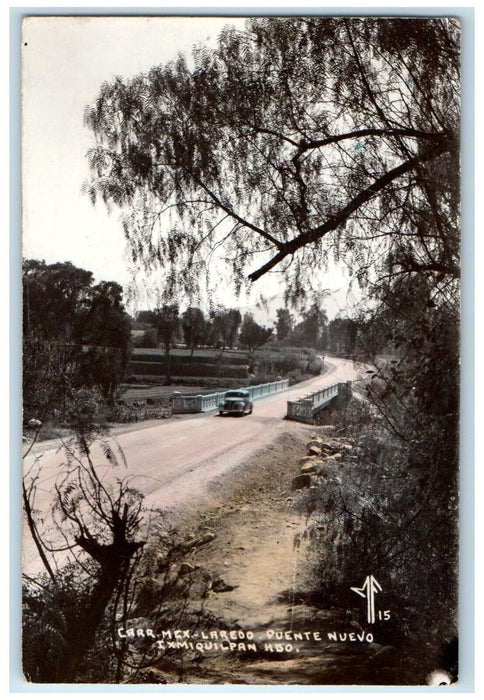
96	523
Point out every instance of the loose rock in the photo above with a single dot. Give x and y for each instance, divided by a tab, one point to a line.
312	460
186	568
333	458
302	481
309	469
219	586
316	442
333	446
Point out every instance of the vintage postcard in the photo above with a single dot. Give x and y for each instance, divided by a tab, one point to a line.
241	312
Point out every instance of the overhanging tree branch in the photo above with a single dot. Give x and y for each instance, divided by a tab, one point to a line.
342	216
360	133
295	102
234	215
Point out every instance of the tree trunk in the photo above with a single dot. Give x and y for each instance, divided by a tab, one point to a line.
168	363
114	560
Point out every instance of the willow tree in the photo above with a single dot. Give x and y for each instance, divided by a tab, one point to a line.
296	140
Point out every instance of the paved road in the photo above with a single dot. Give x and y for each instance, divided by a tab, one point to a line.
173	461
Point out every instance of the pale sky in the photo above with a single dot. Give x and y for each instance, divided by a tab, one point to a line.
65	61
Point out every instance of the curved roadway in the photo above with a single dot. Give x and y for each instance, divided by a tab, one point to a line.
173	461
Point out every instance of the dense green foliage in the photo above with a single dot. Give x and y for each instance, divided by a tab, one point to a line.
223	327
284	324
195	327
218	329
340	337
252	335
296	363
75	334
311	330
392	513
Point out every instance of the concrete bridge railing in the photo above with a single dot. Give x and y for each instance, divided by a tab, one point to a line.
259	391
201	403
305	408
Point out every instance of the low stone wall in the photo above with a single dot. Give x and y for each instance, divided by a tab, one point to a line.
140	411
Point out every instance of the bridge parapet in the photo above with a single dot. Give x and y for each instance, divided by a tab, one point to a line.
301	410
259	391
200	403
304	408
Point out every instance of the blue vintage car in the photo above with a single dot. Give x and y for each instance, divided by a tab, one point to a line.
236	401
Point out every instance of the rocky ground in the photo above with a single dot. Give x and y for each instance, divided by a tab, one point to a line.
254	562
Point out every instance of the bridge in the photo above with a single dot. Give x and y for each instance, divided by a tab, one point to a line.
305	408
200	403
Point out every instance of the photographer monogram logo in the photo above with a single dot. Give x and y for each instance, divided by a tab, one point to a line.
369	590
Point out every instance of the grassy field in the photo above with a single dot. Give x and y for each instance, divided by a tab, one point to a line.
210	370
186	352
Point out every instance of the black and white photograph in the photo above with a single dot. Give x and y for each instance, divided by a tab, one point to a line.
241	328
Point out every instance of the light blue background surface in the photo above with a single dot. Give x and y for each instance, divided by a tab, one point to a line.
466	619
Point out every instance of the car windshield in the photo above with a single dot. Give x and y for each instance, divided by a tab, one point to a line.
235	395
